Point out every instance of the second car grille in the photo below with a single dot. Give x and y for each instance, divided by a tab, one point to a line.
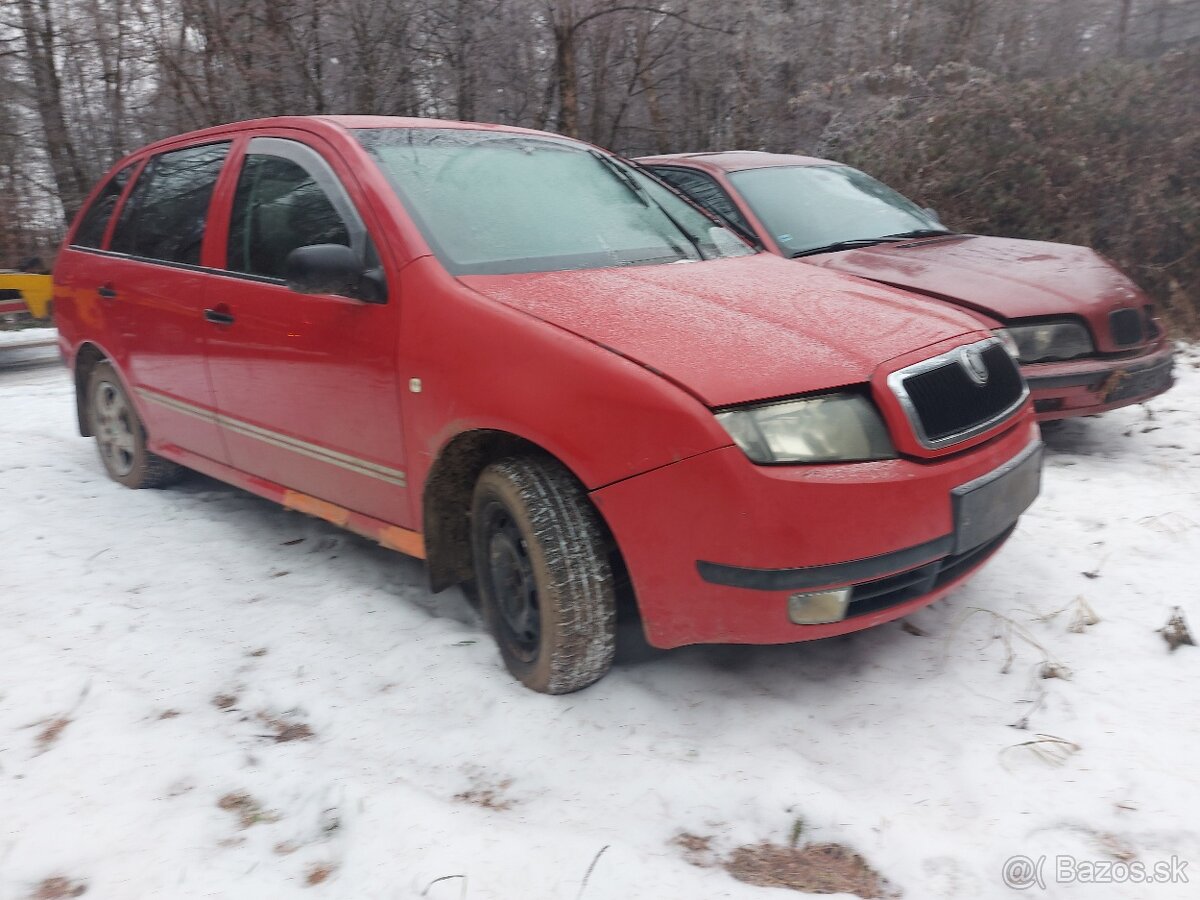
961	393
1126	325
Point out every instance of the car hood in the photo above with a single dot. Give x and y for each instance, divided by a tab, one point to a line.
734	330
1000	277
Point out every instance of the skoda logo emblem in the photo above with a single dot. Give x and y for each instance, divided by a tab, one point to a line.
971	359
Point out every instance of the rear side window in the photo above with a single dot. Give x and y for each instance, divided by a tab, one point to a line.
92	226
288	197
705	191
165	215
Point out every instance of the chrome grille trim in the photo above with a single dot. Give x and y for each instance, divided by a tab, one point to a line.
895	382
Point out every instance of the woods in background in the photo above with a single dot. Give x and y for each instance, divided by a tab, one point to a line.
1070	120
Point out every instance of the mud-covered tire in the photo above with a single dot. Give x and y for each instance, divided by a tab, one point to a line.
543	572
120	435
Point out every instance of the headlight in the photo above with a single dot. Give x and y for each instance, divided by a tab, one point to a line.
1006	340
1051	341
829	428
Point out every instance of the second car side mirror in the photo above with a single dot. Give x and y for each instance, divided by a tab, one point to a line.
331	269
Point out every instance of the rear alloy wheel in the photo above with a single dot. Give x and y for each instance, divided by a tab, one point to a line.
543	574
120	437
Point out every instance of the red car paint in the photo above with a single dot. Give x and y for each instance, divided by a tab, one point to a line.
1002	280
341	408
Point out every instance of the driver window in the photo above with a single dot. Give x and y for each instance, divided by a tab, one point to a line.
278	207
705	191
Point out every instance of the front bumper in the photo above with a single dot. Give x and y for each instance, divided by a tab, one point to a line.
1084	387
703	539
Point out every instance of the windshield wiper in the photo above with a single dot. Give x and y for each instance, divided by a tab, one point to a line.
621	175
844	245
921	232
870	242
644	196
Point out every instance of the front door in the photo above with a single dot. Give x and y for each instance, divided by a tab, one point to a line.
306	385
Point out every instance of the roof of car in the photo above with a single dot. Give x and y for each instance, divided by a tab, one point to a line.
321	123
417	122
734	160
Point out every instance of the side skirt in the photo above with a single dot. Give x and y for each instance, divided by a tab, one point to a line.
403	540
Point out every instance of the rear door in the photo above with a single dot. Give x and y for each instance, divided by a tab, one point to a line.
83	269
306	385
153	289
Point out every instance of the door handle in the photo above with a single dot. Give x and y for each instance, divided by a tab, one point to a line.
219	316
106	291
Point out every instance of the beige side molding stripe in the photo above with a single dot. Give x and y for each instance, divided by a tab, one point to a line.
274	438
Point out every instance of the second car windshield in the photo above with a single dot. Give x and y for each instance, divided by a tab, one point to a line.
496	202
806	208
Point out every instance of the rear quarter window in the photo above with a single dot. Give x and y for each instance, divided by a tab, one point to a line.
94	223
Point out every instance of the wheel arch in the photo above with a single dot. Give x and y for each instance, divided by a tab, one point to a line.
446	499
87	357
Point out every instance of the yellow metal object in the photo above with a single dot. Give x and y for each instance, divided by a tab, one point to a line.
35	290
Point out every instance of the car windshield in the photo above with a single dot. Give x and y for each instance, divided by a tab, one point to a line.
495	202
808	208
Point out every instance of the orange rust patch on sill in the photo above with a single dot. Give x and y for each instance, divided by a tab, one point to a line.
408	542
312	506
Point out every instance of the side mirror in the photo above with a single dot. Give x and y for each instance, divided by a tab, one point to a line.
932	213
724	239
332	269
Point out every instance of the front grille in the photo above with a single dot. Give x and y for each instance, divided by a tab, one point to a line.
1126	326
947	401
896	589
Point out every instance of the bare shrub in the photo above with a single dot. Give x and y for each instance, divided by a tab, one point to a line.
1105	158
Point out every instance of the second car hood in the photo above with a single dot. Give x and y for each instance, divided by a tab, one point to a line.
1001	277
734	330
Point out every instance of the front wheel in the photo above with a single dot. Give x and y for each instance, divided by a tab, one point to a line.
543	573
120	436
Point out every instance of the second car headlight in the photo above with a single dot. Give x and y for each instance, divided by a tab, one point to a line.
842	427
1051	341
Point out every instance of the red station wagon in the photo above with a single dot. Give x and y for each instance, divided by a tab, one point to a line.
527	362
1087	338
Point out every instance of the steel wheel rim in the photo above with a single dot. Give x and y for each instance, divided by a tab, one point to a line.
113	423
512	583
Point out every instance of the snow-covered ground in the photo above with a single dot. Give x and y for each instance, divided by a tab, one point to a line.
18	336
156	645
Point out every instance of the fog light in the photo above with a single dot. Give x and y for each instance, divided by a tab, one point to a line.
819	607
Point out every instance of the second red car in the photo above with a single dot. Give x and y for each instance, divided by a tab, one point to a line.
1088	339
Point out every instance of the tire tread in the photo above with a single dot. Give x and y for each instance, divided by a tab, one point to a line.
574	550
150	470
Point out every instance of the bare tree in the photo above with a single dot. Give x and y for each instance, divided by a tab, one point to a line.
41	48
